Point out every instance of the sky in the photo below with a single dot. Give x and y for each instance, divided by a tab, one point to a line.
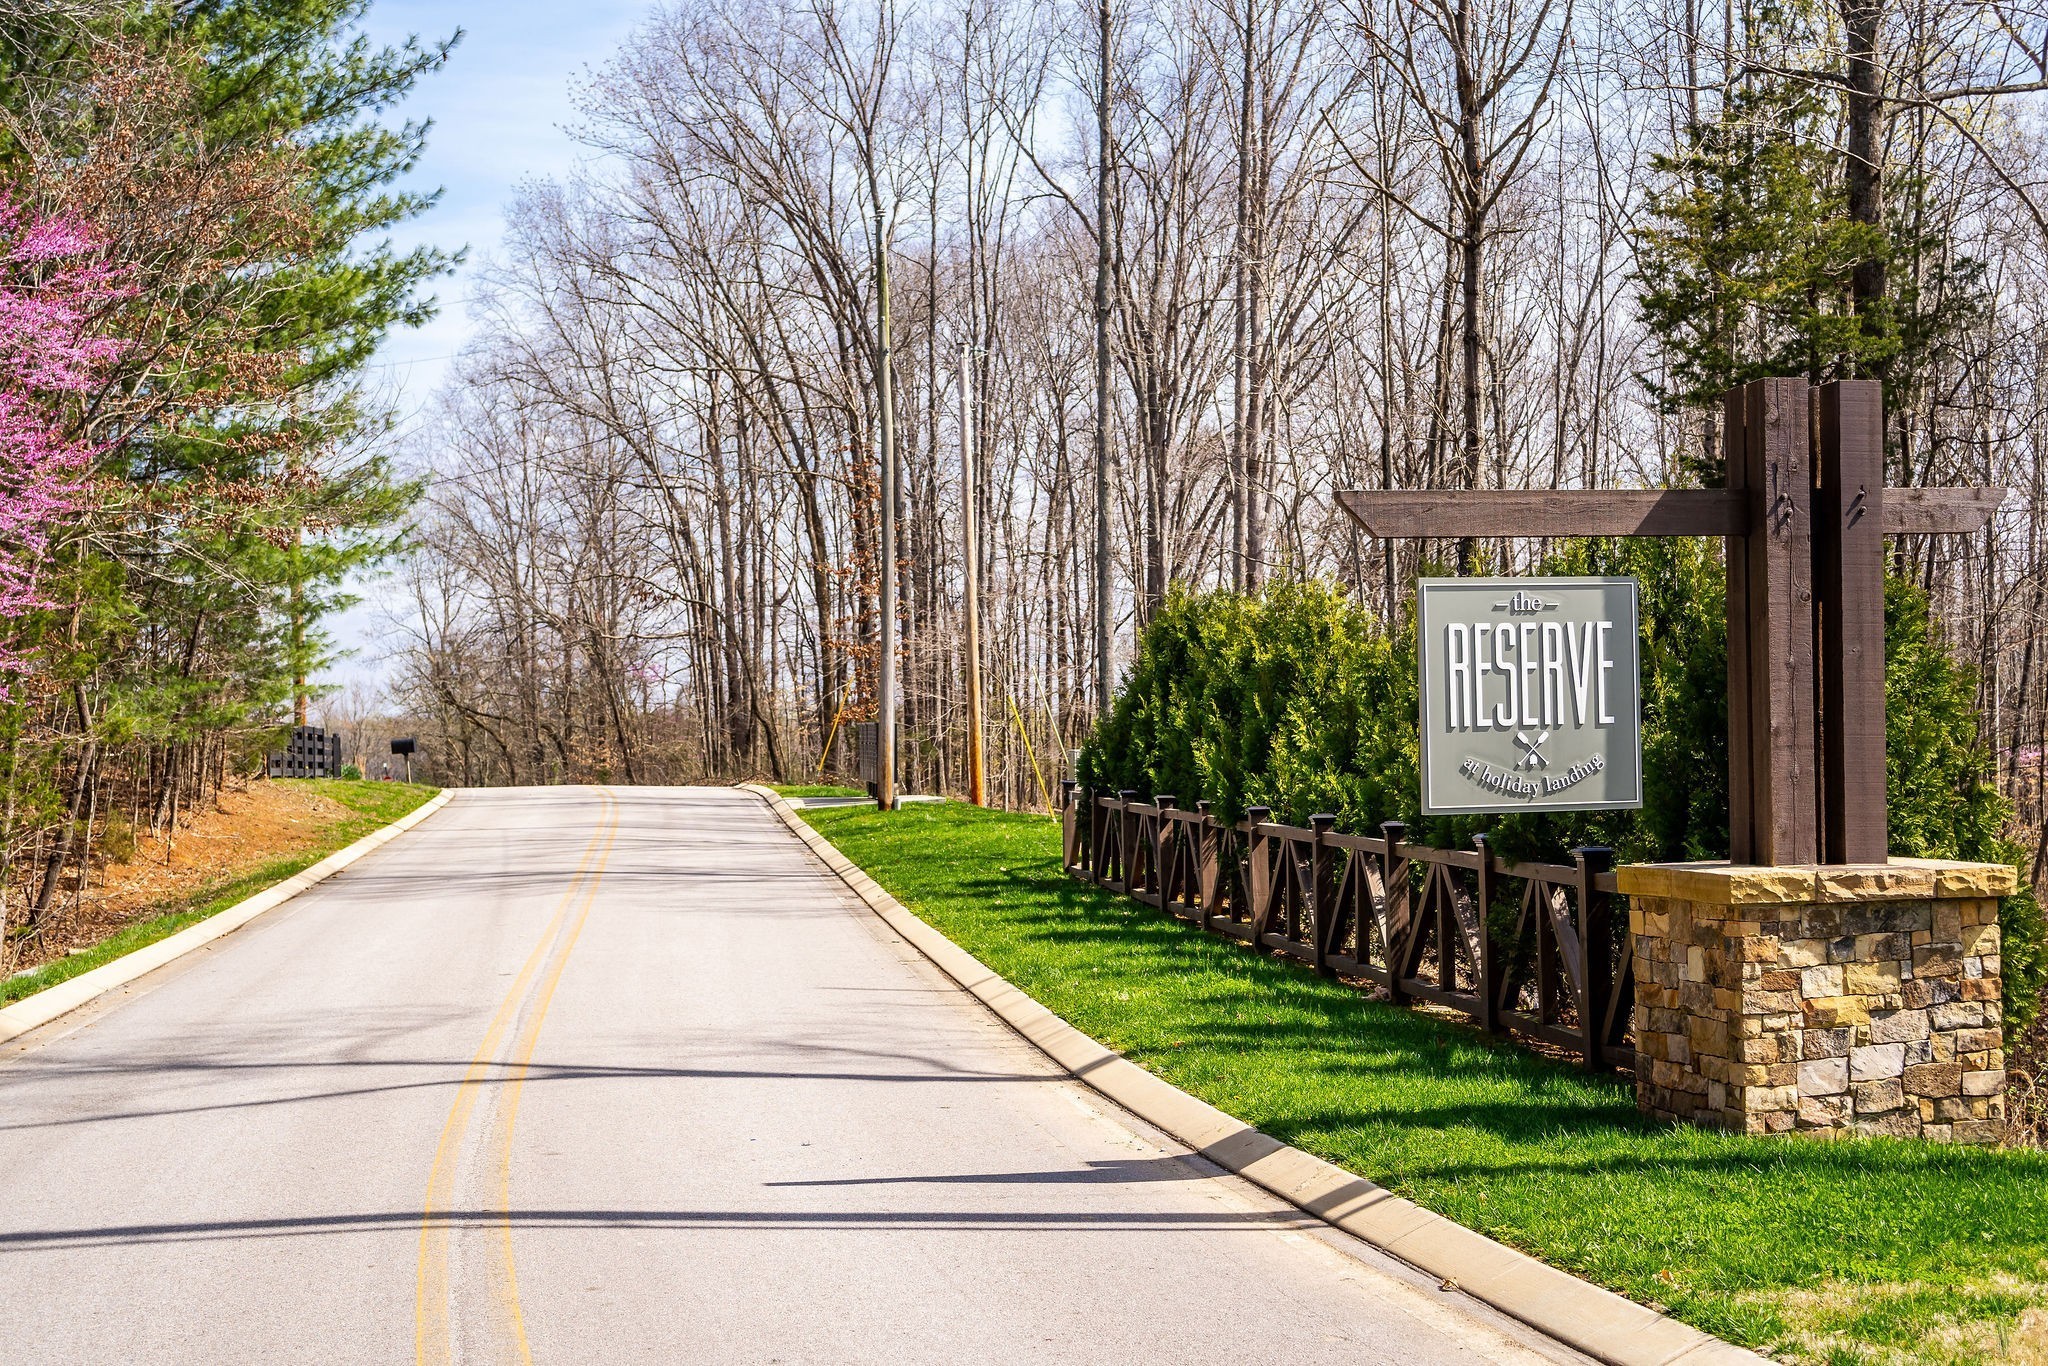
499	110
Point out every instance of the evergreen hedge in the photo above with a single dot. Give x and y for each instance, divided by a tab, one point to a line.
1299	699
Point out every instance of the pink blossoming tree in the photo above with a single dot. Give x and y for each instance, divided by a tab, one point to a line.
54	288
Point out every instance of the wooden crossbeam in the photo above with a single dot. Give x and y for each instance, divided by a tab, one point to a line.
1412	514
1939	512
1404	514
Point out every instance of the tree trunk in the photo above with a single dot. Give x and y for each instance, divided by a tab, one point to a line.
61	846
1102	214
1247	523
1863	155
1470	243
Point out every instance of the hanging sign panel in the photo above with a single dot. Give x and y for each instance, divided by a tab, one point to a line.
1531	695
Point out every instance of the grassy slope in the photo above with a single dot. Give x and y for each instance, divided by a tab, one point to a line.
1856	1250
374	804
820	790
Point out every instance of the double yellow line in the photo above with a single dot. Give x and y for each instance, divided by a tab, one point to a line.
432	1337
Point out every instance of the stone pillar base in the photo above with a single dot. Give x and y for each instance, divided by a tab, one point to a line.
1862	998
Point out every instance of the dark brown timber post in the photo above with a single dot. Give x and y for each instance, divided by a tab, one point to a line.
1596	933
1126	838
1848	554
1208	865
1323	884
1107	820
1162	841
1070	827
1261	868
1741	794
1399	926
1098	834
1488	966
1784	760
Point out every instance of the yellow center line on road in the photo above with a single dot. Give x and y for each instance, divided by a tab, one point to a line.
431	1341
508	1297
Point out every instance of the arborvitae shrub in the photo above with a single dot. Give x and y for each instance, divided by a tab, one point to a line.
1294	699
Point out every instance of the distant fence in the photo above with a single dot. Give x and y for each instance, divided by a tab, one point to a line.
1409	917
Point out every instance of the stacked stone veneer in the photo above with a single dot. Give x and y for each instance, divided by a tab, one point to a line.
1848	998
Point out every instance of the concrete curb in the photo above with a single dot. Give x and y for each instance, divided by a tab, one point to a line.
31	1012
1600	1323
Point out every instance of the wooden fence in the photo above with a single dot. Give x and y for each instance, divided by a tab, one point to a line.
1557	966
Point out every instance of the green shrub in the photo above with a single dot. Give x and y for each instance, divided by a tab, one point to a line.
351	773
1299	699
116	837
1942	803
1295	699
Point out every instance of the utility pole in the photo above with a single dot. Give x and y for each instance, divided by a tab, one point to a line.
1102	189
976	781
885	731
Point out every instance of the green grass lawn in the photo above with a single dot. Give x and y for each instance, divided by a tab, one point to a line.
820	790
1865	1250
373	804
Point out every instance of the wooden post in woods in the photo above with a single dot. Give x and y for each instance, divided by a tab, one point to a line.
1805	529
971	553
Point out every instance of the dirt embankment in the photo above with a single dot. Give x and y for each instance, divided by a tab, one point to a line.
247	828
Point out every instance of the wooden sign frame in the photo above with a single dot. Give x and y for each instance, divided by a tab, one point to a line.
1805	522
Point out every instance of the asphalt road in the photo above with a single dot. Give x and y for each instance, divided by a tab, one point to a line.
584	1075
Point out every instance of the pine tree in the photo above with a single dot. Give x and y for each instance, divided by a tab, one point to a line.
1749	266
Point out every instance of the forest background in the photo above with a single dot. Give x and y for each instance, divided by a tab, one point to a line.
1176	271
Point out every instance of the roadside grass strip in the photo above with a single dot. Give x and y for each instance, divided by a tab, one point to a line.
819	790
1842	1251
375	804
